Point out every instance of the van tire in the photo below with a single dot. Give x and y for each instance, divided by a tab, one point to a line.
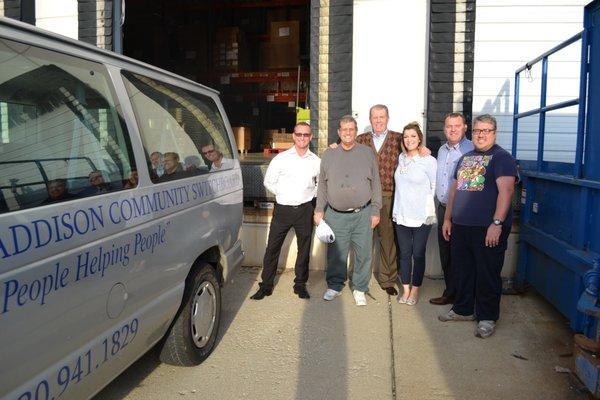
192	335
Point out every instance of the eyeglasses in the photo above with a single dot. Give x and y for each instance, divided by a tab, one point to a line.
207	152
300	134
483	131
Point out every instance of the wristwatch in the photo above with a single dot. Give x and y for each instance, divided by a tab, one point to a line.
497	222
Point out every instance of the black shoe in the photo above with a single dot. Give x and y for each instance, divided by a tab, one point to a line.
301	292
261	293
442	300
391	291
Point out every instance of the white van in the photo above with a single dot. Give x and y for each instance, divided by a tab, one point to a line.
120	215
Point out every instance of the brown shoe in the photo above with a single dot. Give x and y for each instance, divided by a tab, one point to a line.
391	291
442	300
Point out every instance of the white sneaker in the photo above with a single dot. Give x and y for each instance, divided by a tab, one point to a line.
331	294
359	298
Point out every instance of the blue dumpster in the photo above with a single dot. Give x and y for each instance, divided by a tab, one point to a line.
560	215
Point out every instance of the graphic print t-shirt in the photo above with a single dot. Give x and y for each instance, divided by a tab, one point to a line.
476	190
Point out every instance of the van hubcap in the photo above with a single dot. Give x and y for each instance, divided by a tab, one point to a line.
204	311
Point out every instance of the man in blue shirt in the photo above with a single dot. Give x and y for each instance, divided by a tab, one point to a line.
479	218
457	144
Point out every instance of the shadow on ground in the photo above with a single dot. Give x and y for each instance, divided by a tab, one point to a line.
235	291
284	347
436	360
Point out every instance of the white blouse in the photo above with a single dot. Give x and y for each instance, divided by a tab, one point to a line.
414	190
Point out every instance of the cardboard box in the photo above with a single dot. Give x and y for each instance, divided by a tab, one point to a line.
287	32
278	55
242	136
282	145
230	51
228	34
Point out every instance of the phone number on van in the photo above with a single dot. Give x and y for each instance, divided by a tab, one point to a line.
85	364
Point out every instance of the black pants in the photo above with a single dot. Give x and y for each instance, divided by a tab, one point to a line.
445	259
284	218
479	284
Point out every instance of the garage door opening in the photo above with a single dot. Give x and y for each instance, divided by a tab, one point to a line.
250	51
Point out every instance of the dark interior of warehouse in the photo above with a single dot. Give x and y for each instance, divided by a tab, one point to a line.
250	51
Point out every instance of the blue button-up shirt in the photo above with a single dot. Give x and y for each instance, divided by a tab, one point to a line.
446	164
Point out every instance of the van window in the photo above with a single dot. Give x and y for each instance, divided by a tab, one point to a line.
182	131
61	134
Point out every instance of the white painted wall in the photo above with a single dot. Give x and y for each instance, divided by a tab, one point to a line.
59	16
389	63
509	33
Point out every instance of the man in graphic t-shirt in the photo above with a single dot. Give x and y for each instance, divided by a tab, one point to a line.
479	218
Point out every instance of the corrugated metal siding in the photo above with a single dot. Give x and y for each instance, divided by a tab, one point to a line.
509	33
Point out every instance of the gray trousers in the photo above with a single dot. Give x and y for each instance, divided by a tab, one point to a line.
352	230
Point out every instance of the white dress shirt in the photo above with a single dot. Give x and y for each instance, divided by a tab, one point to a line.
379	139
293	178
226	163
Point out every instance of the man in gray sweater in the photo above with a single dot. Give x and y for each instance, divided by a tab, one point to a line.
350	188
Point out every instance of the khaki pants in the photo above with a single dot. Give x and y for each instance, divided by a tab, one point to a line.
385	269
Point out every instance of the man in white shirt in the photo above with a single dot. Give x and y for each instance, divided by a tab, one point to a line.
292	177
218	162
457	144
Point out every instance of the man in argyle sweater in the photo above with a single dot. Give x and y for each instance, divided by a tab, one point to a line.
386	145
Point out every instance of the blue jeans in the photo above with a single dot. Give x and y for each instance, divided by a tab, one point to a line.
411	245
352	229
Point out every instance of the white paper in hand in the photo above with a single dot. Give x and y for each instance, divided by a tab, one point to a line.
324	233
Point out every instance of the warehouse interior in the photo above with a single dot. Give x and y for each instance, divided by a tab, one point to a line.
250	51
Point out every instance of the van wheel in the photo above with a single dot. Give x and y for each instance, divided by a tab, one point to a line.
193	333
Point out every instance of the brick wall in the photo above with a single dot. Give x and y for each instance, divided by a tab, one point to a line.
450	77
95	22
330	67
11	9
314	98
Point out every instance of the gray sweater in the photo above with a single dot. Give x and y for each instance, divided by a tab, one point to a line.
349	179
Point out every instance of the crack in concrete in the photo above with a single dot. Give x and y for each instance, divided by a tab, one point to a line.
393	364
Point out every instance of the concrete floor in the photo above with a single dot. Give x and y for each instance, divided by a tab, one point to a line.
287	348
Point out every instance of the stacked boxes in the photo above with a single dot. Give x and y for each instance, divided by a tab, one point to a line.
230	54
278	139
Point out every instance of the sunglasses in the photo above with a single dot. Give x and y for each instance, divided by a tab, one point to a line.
305	135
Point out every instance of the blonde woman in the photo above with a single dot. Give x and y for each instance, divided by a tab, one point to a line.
413	212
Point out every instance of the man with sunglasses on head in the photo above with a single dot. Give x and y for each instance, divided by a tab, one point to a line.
292	177
479	217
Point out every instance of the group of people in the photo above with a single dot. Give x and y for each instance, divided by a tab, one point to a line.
164	167
386	184
58	191
168	166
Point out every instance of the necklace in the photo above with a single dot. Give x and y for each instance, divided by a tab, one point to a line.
404	163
